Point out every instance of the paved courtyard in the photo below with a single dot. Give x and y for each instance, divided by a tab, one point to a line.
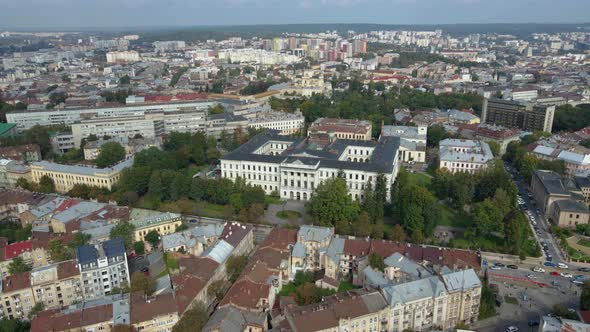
289	205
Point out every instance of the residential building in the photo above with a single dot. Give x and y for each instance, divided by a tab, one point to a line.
558	324
294	166
560	200
25	153
62	142
103	267
575	157
514	114
412	141
464	297
502	136
459	155
11	171
162	223
342	128
122	56
66	176
311	240
155	313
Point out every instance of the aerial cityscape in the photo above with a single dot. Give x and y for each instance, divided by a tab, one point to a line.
250	166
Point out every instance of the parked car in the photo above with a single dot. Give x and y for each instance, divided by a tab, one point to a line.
554	273
584	269
562	265
533	323
193	221
498	264
538	269
549	264
512	329
494	267
550	258
566	275
512	266
531	276
578	282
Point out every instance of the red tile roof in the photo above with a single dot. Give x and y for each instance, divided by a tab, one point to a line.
17	248
144	309
68	203
16	281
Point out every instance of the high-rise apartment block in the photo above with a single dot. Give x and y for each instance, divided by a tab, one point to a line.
514	114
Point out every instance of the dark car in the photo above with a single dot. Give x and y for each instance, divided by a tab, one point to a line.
498	264
533	323
512	266
584	269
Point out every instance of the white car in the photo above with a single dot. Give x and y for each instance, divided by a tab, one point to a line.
538	269
531	276
566	275
562	266
512	329
494	267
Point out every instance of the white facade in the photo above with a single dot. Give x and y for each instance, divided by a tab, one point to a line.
459	155
117	127
124	56
286	123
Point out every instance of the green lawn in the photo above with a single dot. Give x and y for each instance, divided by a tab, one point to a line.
272	200
212	210
450	217
287	214
419	179
584	242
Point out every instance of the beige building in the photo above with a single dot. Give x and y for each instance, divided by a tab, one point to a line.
569	213
342	128
153	314
306	252
464	296
66	176
163	223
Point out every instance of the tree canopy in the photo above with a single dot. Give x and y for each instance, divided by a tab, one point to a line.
110	154
331	203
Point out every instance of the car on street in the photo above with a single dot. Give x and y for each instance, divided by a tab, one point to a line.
584	269
549	264
531	276
562	265
578	282
554	273
498	264
512	266
512	329
494	267
193	221
550	258
566	275
580	277
533	323
538	269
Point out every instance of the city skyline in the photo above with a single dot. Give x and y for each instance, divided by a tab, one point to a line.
136	13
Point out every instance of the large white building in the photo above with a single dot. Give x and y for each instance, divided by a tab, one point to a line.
295	166
460	155
285	123
123	56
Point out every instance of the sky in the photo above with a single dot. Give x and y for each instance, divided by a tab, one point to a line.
134	13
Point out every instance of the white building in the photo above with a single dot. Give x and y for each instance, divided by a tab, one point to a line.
102	268
412	141
459	155
123	56
294	166
285	123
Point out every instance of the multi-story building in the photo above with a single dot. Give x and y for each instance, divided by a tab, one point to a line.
285	123
412	141
295	166
103	267
27	152
66	176
11	171
514	114
464	297
459	155
342	128
62	142
311	240
502	136
27	119
120	127
123	56
54	286
163	223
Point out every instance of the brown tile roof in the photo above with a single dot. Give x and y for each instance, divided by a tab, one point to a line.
200	267
56	320
20	196
316	321
16	282
143	309
356	247
98	314
186	288
67	269
245	294
234	233
280	238
386	248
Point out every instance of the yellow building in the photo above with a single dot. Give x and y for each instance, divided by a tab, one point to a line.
163	223
66	176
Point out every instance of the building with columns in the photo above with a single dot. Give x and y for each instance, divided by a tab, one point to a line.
294	166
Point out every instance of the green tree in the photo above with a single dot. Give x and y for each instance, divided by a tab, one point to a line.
123	230
153	238
216	289
234	266
110	154
362	225
139	247
142	283
37	308
194	319
14	325
495	147
18	265
46	185
435	134
376	262
57	251
78	240
125	80
331	203
585	296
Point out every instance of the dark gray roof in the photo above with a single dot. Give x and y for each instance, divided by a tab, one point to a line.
552	182
582	182
114	247
382	159
570	205
86	254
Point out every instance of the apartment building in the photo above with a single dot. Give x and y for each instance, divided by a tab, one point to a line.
103	267
155	313
515	114
459	155
120	127
26	152
502	136
123	56
285	123
412	141
11	171
163	223
294	166
54	286
310	240
66	176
